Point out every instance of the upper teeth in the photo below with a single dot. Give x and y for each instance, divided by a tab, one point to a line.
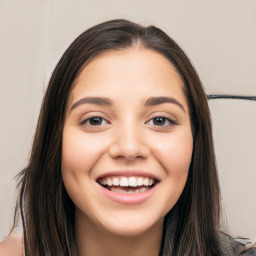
127	181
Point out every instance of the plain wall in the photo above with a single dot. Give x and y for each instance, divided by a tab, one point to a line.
220	38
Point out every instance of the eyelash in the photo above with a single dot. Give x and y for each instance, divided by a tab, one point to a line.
101	119
171	121
91	118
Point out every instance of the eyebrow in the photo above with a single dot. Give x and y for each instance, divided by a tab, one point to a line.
92	100
102	101
153	101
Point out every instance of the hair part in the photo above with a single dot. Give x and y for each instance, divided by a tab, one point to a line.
47	211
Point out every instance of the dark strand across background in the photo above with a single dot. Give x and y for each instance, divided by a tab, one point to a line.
237	97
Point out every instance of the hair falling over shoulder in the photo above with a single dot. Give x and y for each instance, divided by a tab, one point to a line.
47	212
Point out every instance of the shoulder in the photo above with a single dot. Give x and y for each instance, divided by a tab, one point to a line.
238	246
227	244
13	244
246	246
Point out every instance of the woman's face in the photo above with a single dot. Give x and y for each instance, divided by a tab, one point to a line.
127	141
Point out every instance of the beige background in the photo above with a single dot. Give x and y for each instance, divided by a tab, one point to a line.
218	35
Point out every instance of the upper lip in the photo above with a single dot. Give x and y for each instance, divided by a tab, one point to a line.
128	173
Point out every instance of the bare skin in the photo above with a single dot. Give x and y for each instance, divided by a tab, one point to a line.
148	243
13	244
112	129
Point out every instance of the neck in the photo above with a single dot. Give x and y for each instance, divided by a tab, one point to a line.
97	241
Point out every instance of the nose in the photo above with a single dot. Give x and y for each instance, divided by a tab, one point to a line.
129	144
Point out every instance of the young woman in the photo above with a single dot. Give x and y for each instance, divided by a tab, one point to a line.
123	161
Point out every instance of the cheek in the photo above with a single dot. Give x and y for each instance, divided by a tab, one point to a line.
78	150
175	158
79	154
175	155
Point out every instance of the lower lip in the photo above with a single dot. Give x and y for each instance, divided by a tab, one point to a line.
126	198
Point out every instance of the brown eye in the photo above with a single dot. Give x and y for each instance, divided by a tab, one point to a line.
94	121
161	121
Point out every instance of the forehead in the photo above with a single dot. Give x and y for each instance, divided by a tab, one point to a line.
133	71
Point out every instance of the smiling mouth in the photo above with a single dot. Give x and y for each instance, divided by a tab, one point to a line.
131	185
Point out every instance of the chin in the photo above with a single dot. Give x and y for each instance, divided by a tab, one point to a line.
133	227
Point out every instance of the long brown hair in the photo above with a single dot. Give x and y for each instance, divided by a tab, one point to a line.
47	211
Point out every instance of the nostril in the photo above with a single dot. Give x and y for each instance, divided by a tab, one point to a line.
128	152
